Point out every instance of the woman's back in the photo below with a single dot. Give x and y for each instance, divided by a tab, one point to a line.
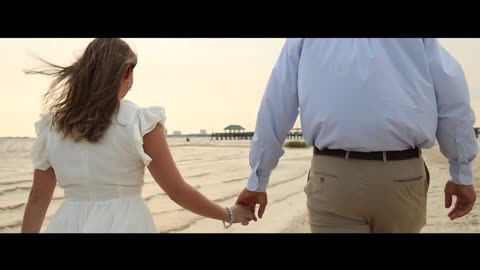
101	178
91	144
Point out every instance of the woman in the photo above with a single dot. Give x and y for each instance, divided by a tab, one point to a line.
96	145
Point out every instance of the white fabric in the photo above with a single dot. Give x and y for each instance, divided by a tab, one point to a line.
39	155
102	181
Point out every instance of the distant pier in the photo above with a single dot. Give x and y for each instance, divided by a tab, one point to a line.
237	132
232	136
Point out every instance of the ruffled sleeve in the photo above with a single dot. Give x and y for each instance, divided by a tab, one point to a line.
39	147
146	120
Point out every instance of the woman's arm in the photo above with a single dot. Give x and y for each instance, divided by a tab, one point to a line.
165	172
44	183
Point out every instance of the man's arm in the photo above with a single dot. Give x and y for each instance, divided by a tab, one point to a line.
455	133
276	117
456	119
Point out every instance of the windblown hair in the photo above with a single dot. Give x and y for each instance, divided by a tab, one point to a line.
83	97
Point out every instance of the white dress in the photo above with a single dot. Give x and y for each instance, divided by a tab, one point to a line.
102	181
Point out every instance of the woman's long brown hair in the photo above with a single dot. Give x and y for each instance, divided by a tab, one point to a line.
83	97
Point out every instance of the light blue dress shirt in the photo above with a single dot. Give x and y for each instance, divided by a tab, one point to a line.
366	94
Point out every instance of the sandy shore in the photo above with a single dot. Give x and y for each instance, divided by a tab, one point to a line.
286	211
219	169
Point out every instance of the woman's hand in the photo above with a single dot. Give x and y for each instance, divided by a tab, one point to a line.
241	214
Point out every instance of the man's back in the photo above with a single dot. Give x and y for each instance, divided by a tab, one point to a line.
366	105
366	94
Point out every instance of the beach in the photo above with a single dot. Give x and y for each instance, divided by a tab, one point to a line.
219	169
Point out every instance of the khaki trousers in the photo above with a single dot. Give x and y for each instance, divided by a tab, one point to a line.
364	196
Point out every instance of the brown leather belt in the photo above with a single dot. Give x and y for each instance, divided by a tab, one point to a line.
387	155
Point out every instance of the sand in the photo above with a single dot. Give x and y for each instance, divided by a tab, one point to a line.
219	169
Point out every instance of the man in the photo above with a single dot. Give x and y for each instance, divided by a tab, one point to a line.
367	106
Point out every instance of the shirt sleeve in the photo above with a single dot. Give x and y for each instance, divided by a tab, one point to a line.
38	150
456	118
276	117
146	120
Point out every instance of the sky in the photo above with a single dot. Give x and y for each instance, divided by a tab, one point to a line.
202	83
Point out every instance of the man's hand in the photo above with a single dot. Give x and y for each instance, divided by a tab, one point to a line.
465	199
250	199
